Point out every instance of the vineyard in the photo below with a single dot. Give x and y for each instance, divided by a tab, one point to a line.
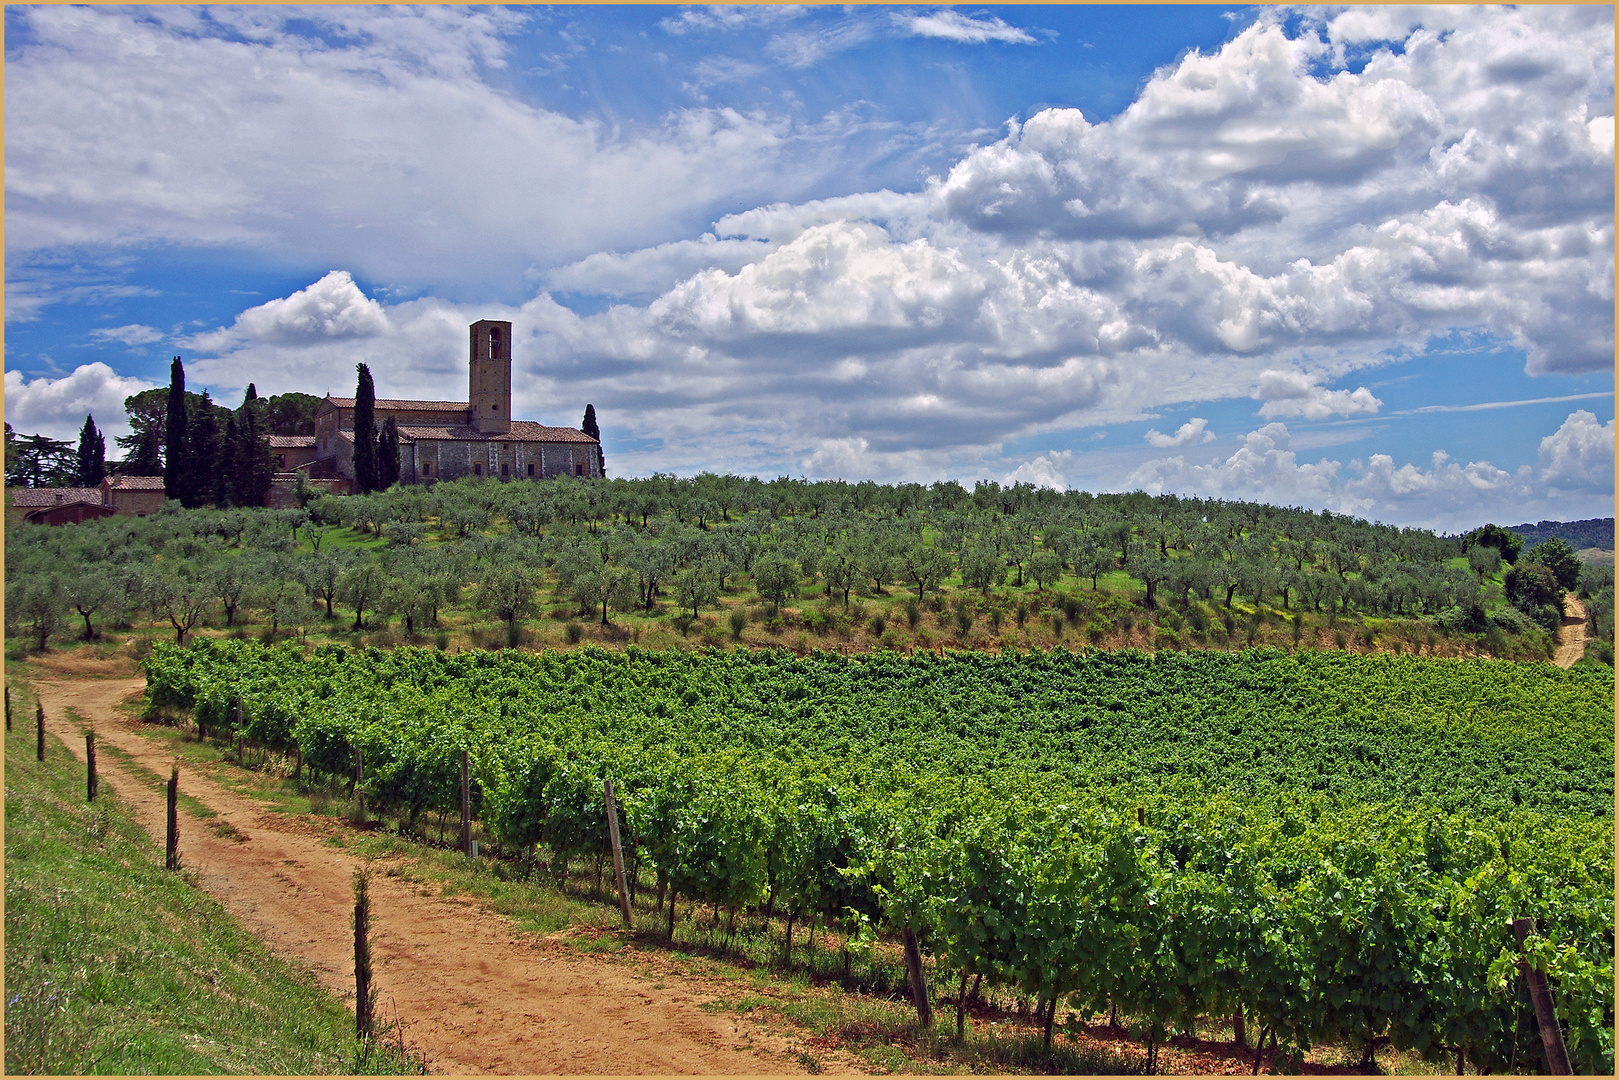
1332	843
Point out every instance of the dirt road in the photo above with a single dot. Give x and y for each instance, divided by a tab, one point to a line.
473	995
1570	635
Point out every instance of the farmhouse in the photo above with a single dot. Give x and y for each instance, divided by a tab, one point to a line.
445	440
133	496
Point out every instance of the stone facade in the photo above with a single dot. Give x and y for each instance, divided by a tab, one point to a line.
448	440
283	493
290	452
133	495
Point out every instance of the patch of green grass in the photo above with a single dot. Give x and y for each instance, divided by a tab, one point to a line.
113	965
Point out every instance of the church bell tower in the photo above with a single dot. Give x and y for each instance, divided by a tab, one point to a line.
489	378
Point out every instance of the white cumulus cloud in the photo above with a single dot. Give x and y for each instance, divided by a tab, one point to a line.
1579	455
1440	494
1191	433
1293	393
1264	467
333	307
57	407
1049	470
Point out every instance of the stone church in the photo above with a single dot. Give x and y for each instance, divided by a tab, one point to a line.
446	440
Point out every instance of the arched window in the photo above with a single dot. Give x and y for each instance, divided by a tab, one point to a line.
494	342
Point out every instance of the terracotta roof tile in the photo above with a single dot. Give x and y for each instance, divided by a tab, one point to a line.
136	483
54	496
284	441
529	431
405	405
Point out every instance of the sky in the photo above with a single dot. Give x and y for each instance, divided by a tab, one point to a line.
1358	259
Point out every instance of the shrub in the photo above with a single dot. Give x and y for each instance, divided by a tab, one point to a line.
573	632
913	613
1511	619
738	622
878	625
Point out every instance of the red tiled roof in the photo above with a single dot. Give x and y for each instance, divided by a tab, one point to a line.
136	483
402	405
56	496
285	441
529	431
522	431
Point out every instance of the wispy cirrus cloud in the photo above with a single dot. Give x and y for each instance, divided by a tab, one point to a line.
131	334
952	25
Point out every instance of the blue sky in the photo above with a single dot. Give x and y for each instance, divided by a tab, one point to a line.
1300	255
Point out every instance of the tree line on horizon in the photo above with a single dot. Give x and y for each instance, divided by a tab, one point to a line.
215	461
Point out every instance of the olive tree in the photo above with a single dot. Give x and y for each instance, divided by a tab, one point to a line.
776	578
35	601
697	586
506	590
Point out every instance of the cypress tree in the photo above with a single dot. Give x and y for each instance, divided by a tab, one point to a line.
588	426
204	478
231	464
365	432
388	455
249	453
174	437
92	461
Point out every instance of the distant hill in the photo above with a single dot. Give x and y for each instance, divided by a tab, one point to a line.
1590	533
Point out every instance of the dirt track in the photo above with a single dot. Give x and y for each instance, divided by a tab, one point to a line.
472	995
1571	635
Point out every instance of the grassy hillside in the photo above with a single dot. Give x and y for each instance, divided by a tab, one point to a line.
114	966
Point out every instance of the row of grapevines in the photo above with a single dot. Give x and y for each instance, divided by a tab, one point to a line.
1080	826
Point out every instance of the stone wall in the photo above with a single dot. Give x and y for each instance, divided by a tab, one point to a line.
283	490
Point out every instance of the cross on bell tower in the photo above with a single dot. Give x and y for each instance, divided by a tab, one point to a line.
489	378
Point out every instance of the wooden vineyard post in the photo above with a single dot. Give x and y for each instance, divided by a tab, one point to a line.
359	780
8	708
90	766
466	803
362	955
618	852
1551	1034
39	726
239	759
171	846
